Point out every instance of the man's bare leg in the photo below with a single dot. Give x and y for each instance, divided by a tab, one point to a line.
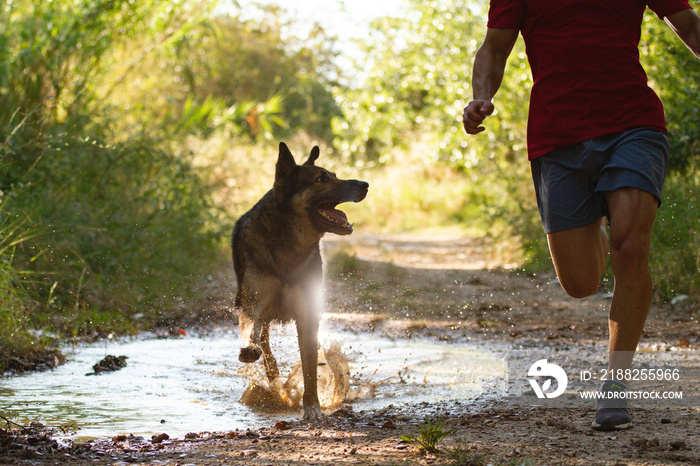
632	214
579	256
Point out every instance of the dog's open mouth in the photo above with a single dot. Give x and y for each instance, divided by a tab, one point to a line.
335	217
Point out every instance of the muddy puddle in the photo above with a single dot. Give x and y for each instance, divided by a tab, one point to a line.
194	383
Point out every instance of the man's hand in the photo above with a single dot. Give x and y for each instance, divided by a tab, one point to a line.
474	114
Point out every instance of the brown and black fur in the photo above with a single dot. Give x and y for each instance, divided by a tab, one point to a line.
277	260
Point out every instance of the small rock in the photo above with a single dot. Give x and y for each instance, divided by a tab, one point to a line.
389	425
402	446
282	425
109	364
678	445
639	442
342	412
159	438
191	436
353	450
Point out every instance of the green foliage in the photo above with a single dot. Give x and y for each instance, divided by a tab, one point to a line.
411	102
212	115
126	223
237	64
675	256
429	436
673	72
418	83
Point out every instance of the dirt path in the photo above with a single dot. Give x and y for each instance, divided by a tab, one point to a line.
445	287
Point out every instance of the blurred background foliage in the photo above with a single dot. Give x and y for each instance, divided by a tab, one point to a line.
132	134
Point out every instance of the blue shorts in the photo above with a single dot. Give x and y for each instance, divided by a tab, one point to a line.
570	181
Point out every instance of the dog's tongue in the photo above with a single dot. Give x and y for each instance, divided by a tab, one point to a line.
335	215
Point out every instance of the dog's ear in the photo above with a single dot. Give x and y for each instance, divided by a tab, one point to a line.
284	167
314	155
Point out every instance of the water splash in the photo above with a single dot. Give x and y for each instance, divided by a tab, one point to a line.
287	391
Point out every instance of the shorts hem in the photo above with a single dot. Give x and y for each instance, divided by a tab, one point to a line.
569	226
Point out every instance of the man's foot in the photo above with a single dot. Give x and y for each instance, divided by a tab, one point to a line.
612	413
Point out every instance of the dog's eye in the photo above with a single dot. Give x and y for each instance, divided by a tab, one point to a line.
322	179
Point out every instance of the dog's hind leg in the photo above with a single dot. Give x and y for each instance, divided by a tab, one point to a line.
268	358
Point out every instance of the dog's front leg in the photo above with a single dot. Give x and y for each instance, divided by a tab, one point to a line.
254	304
307	330
251	328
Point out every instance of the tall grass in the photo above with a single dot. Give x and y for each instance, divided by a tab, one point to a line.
15	305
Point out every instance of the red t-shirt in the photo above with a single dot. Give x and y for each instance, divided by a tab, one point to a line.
584	59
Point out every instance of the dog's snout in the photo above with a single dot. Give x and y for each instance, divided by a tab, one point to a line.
361	188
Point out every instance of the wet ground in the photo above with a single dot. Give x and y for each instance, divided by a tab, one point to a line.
444	292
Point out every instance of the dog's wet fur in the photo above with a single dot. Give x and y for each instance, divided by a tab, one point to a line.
278	265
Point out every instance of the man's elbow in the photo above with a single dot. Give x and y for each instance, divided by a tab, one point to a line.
686	24
692	41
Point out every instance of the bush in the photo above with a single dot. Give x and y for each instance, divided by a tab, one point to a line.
112	223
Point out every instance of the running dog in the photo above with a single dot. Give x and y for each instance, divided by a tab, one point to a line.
277	260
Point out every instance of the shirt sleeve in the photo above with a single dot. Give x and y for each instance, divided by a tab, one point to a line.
506	14
664	8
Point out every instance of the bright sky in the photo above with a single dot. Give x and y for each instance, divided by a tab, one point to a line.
346	18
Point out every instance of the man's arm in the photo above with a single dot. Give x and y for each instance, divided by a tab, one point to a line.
487	74
686	24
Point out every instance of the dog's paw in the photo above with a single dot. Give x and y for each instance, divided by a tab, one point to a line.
249	354
313	415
